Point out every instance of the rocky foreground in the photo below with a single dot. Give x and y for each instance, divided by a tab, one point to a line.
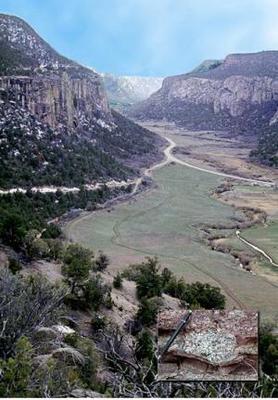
215	345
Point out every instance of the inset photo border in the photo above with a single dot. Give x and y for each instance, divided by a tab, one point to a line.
208	345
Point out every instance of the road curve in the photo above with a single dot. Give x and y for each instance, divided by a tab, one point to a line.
172	158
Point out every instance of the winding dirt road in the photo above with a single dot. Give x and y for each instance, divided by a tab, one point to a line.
170	157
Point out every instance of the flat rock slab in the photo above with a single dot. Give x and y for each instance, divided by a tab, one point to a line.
214	345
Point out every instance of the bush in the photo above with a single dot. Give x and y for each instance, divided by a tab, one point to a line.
25	303
16	371
147	312
166	276
38	249
118	281
77	264
52	231
56	249
14	265
144	349
205	295
71	339
148	283
268	346
101	262
96	293
98	322
75	303
12	229
196	295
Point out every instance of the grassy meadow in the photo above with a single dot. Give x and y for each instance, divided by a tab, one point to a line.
166	222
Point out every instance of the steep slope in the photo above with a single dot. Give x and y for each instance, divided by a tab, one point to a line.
124	91
56	124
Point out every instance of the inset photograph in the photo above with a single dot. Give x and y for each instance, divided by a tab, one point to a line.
208	345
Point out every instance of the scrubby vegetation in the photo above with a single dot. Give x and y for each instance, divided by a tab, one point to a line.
21	213
53	160
37	358
267	147
32	154
118	281
150	282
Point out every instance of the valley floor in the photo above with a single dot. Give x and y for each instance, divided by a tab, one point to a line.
168	221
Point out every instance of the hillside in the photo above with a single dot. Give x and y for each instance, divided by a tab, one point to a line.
239	95
124	91
57	111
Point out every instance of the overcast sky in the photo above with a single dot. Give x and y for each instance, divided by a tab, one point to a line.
150	37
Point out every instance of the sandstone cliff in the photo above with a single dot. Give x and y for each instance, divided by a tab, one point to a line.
56	126
55	89
62	101
241	94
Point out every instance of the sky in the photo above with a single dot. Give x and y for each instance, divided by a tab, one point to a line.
150	37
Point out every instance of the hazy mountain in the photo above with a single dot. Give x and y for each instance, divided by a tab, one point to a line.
55	122
124	91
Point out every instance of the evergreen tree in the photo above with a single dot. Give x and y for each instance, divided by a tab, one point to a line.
148	283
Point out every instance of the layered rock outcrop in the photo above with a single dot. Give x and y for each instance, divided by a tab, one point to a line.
59	100
215	345
225	97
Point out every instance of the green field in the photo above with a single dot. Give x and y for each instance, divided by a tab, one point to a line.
166	222
265	237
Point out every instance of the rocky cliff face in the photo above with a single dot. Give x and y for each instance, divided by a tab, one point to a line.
60	115
57	90
227	96
62	101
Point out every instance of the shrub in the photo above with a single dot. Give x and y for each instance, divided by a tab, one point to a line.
118	281
25	303
268	346
101	262
197	295
147	312
56	249
77	264
166	276
14	265
12	229
148	283
205	295
52	231
38	249
16	371
98	322
96	293
145	345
